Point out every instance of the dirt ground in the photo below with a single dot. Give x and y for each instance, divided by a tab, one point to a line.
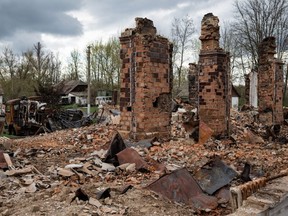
45	190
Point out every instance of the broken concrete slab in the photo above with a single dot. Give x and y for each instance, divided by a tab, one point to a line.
65	172
31	188
19	171
131	167
73	166
107	167
94	202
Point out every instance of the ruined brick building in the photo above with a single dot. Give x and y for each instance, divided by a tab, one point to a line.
270	84
209	81
146	82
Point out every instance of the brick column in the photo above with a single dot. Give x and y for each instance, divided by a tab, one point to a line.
146	82
278	117
270	84
214	78
266	80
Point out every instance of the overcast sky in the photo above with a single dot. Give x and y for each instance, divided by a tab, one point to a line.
64	25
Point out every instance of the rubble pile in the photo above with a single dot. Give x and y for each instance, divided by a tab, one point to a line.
184	159
90	171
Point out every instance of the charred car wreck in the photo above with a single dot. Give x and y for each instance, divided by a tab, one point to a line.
29	116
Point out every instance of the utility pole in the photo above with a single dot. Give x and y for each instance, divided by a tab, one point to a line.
88	80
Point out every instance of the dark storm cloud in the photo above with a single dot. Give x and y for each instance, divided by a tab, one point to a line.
39	16
123	12
23	22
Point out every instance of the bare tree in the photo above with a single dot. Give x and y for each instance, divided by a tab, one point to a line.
9	63
182	38
106	63
258	19
21	75
75	65
54	69
40	63
230	43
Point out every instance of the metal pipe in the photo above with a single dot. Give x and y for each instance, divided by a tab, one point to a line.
88	80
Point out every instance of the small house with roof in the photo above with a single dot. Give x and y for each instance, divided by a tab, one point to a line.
73	92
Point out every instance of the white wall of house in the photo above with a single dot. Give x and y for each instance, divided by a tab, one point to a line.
81	100
235	102
78	99
253	94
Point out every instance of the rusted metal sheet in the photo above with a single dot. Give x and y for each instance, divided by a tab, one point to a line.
117	145
3	163
214	175
130	155
179	186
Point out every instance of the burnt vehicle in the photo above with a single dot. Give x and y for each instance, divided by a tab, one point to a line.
29	116
24	116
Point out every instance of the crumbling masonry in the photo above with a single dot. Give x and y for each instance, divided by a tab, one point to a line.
146	82
270	84
214	78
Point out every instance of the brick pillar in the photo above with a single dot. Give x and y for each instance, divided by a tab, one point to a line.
214	78
270	83
278	117
146	82
193	84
